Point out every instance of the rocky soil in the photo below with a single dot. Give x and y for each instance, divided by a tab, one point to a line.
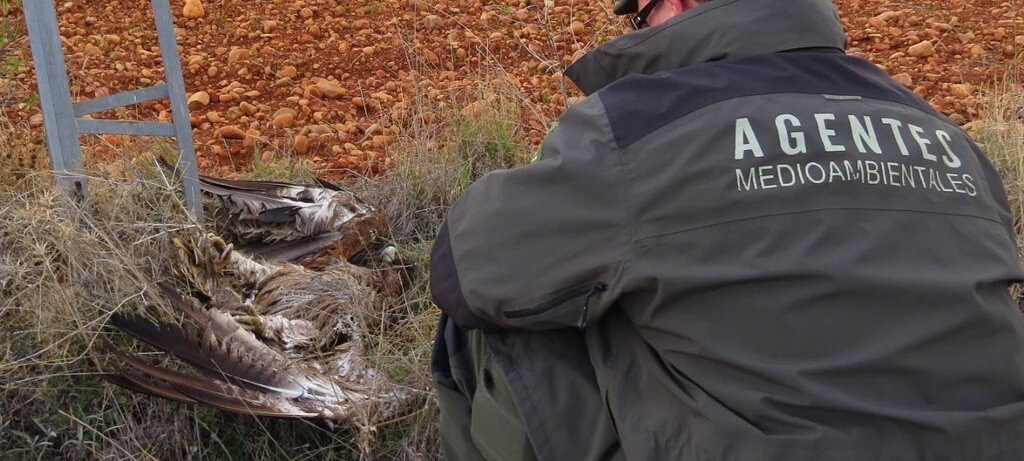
946	51
336	82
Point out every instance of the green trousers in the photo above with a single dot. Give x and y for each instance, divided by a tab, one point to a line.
479	420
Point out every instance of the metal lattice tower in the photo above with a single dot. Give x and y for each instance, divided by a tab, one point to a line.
62	118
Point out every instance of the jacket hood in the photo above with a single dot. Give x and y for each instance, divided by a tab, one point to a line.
715	31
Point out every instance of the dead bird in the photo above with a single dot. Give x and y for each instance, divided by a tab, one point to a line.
264	336
265	339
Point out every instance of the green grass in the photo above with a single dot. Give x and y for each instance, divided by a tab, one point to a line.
283	166
9	31
7	6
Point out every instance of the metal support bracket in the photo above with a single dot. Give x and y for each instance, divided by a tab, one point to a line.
62	119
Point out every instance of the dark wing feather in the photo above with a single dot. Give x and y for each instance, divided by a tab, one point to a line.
240	400
273	212
328	185
292	251
127	376
252	186
142	385
217	343
268	200
161	382
241	185
169	338
281	215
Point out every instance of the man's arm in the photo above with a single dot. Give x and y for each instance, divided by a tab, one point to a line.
541	246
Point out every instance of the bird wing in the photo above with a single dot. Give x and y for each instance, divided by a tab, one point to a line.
272	212
292	251
214	341
236	372
265	187
133	373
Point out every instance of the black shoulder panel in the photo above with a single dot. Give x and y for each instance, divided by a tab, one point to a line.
639	105
446	288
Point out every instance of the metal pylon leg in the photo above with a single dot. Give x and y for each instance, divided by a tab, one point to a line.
55	97
61	115
179	107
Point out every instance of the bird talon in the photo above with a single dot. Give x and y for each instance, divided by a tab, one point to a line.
389	255
227	251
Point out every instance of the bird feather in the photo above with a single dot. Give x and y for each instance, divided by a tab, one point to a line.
190	388
216	342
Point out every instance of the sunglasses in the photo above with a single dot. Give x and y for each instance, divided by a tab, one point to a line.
639	20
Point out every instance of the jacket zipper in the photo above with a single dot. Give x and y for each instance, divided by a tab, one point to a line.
600	287
589	290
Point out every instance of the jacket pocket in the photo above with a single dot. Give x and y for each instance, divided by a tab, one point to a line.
579	296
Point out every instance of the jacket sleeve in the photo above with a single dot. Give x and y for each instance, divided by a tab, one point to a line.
541	246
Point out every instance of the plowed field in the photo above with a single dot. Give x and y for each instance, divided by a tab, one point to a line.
336	81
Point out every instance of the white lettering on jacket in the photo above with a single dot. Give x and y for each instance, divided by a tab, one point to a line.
826	133
895	125
909	157
746	140
793	140
864	134
950	159
786	138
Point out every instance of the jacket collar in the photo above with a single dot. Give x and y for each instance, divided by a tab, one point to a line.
718	30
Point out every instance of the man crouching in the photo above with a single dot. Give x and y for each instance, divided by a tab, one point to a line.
744	245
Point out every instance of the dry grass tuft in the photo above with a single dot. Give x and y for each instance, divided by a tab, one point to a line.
66	273
433	165
1001	135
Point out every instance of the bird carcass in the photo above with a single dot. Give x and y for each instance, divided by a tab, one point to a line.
267	338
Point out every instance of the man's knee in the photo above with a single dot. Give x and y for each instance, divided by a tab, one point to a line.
479	418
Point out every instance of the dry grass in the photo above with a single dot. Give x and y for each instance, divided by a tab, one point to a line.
1001	135
63	272
66	273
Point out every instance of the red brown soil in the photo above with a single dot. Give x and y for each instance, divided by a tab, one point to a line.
975	44
350	74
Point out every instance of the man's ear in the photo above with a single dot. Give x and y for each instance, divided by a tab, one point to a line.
680	6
